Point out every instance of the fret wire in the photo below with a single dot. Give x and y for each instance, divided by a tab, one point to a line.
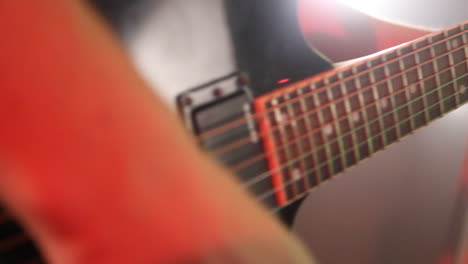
350	123
336	129
435	66
278	116
386	130
465	34
378	106
402	67
410	108
405	93
317	104
308	139
453	74
465	51
291	146
280	128
375	120
465	41
362	102
392	98
297	143
411	124
359	116
302	149
311	140
421	77
319	131
450	72
324	137
375	103
342	147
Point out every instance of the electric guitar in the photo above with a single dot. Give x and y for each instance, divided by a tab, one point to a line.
288	121
286	126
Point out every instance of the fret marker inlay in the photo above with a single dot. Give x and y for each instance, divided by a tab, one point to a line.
384	103
356	117
296	174
328	130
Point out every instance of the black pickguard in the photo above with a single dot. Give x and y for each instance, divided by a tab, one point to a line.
269	45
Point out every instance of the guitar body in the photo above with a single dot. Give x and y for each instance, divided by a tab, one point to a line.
270	51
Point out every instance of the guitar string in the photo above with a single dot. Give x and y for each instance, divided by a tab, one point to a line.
256	158
282	187
216	131
300	196
269	173
246	140
243	120
250	161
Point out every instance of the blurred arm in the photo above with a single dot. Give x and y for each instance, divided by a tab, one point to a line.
98	169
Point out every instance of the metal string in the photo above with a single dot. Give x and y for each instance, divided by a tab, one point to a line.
266	174
246	140
216	131
355	147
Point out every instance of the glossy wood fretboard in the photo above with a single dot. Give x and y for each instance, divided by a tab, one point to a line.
317	128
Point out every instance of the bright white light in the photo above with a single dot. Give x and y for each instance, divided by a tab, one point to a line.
367	6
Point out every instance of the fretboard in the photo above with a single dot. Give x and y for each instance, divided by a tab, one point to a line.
321	126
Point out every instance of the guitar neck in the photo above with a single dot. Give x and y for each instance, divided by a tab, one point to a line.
321	126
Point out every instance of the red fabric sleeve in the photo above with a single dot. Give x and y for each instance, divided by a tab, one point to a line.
97	168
